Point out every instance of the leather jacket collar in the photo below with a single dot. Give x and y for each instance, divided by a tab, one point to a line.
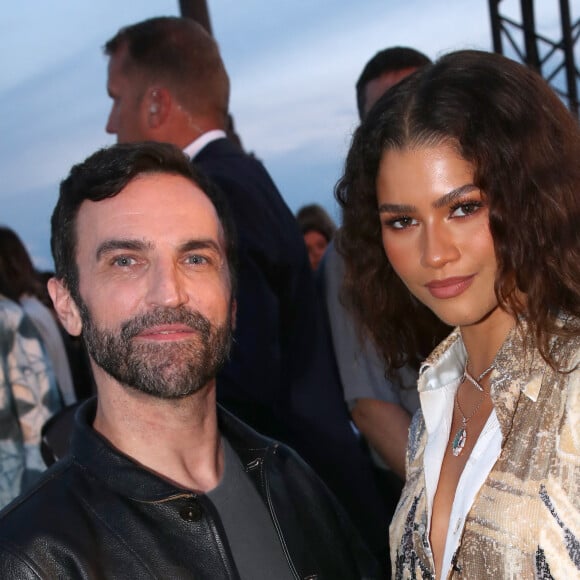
128	478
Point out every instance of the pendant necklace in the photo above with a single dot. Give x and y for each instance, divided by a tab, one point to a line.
460	438
475	382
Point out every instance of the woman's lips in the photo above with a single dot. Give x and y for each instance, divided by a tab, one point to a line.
450	287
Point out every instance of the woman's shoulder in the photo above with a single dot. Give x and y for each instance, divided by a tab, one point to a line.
565	346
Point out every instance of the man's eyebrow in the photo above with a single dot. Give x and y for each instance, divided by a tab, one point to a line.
443	201
200	244
109	246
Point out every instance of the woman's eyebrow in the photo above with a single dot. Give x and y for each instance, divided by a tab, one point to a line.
443	201
396	208
450	197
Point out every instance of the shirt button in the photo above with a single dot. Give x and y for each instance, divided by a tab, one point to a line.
421	529
191	512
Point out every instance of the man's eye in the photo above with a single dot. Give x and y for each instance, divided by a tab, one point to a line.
124	261
197	260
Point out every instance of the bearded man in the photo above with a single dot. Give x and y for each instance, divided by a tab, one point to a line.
160	482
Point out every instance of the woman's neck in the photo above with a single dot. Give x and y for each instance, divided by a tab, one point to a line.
483	339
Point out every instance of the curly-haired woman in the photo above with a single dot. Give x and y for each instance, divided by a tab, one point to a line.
461	195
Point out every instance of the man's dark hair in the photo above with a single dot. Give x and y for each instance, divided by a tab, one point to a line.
388	60
103	175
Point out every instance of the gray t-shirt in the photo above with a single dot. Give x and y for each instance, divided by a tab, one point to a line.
361	367
249	528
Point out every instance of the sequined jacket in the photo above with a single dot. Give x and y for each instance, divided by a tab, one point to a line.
525	520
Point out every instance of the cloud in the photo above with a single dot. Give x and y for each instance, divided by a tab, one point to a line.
297	89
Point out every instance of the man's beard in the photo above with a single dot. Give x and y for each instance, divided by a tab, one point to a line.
167	370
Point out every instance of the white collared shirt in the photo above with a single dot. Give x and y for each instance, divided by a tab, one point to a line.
198	144
437	388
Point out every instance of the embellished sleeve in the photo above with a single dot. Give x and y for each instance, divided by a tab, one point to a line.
560	494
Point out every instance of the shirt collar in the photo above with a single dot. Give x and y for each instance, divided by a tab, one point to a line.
519	369
198	144
439	377
444	365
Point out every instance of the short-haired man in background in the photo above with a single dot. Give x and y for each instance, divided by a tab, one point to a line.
159	482
383	71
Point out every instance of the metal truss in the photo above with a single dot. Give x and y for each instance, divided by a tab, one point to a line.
539	52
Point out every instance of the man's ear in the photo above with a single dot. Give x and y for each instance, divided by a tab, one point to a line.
65	307
158	104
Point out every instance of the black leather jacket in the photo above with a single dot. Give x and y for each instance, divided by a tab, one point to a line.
97	514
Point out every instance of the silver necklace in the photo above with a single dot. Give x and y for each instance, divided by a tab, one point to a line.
460	438
475	382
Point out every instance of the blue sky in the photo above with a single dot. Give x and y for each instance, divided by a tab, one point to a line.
292	63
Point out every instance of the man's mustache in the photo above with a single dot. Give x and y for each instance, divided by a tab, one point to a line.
159	316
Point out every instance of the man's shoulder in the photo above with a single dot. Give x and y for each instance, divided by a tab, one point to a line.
50	493
253	448
234	169
53	530
37	518
306	511
222	149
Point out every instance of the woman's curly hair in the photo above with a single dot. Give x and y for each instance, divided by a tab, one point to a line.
524	146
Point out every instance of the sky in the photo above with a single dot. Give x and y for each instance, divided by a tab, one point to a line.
292	65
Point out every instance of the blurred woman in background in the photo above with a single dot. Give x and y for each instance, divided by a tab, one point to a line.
20	282
318	230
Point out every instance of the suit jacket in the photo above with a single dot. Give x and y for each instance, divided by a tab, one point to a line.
276	316
282	377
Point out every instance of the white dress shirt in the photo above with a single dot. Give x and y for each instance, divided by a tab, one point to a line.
437	388
198	144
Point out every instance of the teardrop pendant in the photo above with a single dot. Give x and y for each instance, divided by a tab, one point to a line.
459	441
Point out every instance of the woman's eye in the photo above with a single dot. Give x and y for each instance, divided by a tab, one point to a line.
465	209
400	223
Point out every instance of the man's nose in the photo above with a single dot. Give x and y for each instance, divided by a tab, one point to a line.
166	286
112	124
